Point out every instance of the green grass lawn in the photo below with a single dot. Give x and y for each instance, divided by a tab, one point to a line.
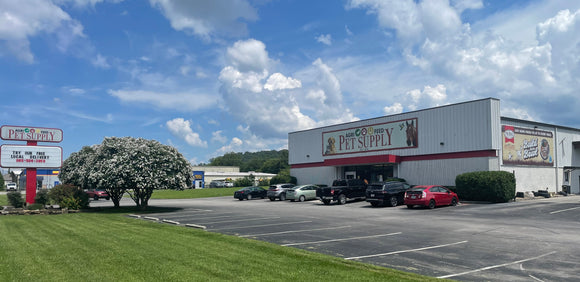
193	193
3	201
107	246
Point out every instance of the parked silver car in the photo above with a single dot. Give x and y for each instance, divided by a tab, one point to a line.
278	191
301	193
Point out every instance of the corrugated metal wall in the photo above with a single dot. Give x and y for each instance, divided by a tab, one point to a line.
464	127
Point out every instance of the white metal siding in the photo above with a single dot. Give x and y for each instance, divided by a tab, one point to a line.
441	172
315	175
470	126
529	178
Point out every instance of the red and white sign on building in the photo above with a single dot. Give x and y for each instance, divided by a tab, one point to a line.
30	156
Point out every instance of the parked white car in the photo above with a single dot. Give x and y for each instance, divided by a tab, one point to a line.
11	186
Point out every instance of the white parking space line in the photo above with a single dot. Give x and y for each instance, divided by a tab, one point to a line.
214	217
295	231
495	266
242	220
407	251
565	210
263	225
344	239
197	214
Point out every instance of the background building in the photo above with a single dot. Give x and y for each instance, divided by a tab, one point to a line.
433	146
204	175
45	178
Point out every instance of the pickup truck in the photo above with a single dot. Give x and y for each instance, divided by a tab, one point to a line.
341	190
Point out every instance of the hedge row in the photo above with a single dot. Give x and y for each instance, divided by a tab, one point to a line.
491	186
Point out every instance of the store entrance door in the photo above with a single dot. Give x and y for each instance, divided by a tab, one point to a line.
350	174
371	173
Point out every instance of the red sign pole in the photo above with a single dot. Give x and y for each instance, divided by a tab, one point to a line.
30	180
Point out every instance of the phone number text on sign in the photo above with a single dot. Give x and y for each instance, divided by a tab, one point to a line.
30	156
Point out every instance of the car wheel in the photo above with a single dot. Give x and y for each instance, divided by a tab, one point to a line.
393	201
326	202
375	204
107	198
301	198
272	199
96	198
454	202
282	197
249	197
341	199
410	206
241	199
431	204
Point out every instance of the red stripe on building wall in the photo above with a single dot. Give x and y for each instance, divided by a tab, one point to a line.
362	160
458	155
397	159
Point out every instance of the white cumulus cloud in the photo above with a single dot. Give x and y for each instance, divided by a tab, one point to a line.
278	81
396	108
181	128
208	19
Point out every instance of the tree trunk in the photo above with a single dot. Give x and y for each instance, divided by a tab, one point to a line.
116	195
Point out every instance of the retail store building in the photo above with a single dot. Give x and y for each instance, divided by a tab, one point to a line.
433	146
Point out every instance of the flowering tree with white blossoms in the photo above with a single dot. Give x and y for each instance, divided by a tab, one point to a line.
134	165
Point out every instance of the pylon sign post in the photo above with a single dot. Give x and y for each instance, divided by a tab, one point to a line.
30	156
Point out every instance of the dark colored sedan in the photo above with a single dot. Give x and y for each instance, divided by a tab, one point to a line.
430	196
249	193
390	193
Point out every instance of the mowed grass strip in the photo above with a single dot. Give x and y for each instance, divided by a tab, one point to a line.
111	247
194	193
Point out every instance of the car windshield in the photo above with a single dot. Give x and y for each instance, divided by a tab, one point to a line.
417	189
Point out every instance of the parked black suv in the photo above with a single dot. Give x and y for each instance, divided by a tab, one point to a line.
389	193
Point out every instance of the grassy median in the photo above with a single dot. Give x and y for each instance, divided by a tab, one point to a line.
107	246
194	193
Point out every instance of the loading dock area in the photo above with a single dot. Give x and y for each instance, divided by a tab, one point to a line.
533	240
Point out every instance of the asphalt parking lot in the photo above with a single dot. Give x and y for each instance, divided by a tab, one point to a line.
534	240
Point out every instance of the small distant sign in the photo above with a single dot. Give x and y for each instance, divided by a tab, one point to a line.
27	133
30	156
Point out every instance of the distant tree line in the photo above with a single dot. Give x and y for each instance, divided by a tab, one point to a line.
263	161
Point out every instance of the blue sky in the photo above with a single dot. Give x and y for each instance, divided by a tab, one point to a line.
211	77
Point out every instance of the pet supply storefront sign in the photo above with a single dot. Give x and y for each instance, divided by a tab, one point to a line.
526	146
16	156
26	133
376	137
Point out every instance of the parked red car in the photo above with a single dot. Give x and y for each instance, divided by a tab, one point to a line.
98	194
430	196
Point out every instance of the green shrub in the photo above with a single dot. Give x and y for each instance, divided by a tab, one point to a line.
283	177
264	182
35	206
492	186
69	196
71	203
41	197
15	199
244	182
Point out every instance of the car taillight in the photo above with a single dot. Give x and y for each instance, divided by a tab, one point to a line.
331	191
423	194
